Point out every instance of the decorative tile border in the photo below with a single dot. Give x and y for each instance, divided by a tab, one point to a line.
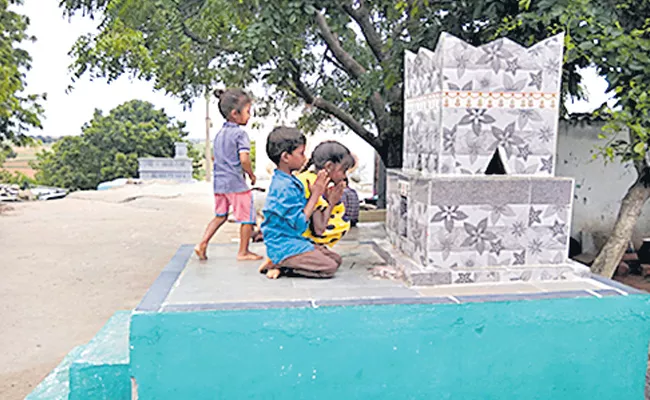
472	99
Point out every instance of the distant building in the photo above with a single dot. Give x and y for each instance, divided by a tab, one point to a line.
178	168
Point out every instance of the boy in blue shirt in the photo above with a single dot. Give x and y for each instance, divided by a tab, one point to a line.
287	213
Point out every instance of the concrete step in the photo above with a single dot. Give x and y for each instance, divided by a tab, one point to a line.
56	386
97	370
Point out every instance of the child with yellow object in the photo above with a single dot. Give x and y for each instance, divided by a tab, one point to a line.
328	223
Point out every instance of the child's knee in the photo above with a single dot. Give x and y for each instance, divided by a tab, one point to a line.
333	265
336	257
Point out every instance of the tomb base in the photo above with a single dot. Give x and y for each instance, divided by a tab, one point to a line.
466	229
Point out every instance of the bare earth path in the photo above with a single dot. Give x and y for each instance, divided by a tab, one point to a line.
67	265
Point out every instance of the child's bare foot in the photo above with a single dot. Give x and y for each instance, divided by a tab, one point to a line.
273	273
265	266
249	256
200	251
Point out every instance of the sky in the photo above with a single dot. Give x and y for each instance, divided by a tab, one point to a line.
65	113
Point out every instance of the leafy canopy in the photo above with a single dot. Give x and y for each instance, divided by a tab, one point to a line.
614	37
18	111
110	145
345	58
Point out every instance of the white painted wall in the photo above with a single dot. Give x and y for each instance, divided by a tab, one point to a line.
599	187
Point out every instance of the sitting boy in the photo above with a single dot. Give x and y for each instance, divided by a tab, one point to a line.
287	213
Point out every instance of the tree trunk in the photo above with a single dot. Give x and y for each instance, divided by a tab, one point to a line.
610	255
391	156
208	147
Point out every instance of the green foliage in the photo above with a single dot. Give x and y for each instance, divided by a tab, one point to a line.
345	58
18	111
615	38
16	178
110	145
5	153
347	63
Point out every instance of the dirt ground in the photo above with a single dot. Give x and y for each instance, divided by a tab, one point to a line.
67	265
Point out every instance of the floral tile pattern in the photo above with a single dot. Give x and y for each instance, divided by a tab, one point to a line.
463	103
479	221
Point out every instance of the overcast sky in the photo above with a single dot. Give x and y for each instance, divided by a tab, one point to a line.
66	113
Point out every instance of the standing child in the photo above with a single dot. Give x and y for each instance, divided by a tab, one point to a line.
351	202
287	212
231	160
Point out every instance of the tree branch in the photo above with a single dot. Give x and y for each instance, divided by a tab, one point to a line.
183	9
333	61
362	16
351	65
346	118
199	40
353	68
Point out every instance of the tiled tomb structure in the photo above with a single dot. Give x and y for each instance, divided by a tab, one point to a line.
465	106
178	168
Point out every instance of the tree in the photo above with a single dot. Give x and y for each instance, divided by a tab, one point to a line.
344	58
110	145
615	38
18	111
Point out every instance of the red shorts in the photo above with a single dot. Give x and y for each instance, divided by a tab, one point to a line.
242	206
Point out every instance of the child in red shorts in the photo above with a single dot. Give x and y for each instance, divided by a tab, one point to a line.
231	162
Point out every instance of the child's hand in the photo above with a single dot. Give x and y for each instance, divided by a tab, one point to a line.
253	178
319	186
335	193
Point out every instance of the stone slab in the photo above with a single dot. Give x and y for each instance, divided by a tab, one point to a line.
221	283
102	369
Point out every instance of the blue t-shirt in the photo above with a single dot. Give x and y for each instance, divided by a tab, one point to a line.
227	170
284	218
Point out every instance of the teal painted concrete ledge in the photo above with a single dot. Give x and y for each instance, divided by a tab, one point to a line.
102	369
97	370
549	349
56	386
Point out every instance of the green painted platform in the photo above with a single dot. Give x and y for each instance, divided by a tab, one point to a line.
219	329
97	370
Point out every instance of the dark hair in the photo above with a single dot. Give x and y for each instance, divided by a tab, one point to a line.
330	151
283	139
231	99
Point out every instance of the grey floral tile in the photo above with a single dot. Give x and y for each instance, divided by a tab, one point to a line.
518	275
463	104
478	237
478	119
485	276
501	67
507	241
448	216
457	260
463	277
443	242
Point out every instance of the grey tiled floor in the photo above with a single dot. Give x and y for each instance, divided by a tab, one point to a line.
221	279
